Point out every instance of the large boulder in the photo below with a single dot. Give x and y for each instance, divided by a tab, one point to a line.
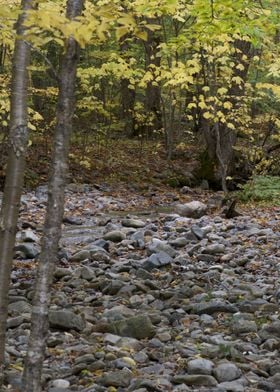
194	209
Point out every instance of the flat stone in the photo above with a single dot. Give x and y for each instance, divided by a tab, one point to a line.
213	307
66	320
121	378
138	327
60	383
14	322
241	326
114	236
214	249
19	307
80	255
135	223
195	380
230	386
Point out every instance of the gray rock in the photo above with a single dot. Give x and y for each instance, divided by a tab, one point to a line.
121	378
198	232
80	255
157	260
114	236
195	380
61	272
194	209
125	362
200	366
66	320
230	386
270	330
135	223
179	242
275	379
240	326
85	359
28	250
213	307
91	252
138	239
113	287
138	327
73	220
87	273
19	307
14	322
157	246
118	312
60	383
29	236
214	249
227	372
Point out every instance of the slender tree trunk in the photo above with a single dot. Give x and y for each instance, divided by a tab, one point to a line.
55	208
153	92
15	169
127	98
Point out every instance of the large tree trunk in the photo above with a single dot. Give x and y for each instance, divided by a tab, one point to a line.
55	209
15	169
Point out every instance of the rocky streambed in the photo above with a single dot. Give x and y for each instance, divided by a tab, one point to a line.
151	302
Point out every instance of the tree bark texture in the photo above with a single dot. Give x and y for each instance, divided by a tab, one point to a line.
153	92
127	98
18	137
55	208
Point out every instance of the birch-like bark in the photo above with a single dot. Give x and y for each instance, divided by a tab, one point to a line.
18	137
55	207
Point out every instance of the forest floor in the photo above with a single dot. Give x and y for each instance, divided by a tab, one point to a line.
137	164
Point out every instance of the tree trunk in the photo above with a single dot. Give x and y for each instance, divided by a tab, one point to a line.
15	169
153	93
55	208
127	98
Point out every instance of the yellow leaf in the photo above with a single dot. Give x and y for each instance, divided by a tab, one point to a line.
31	126
227	105
127	20
121	31
142	35
237	79
207	115
202	105
240	67
222	91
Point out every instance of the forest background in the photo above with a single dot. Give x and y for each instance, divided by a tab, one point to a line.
171	91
